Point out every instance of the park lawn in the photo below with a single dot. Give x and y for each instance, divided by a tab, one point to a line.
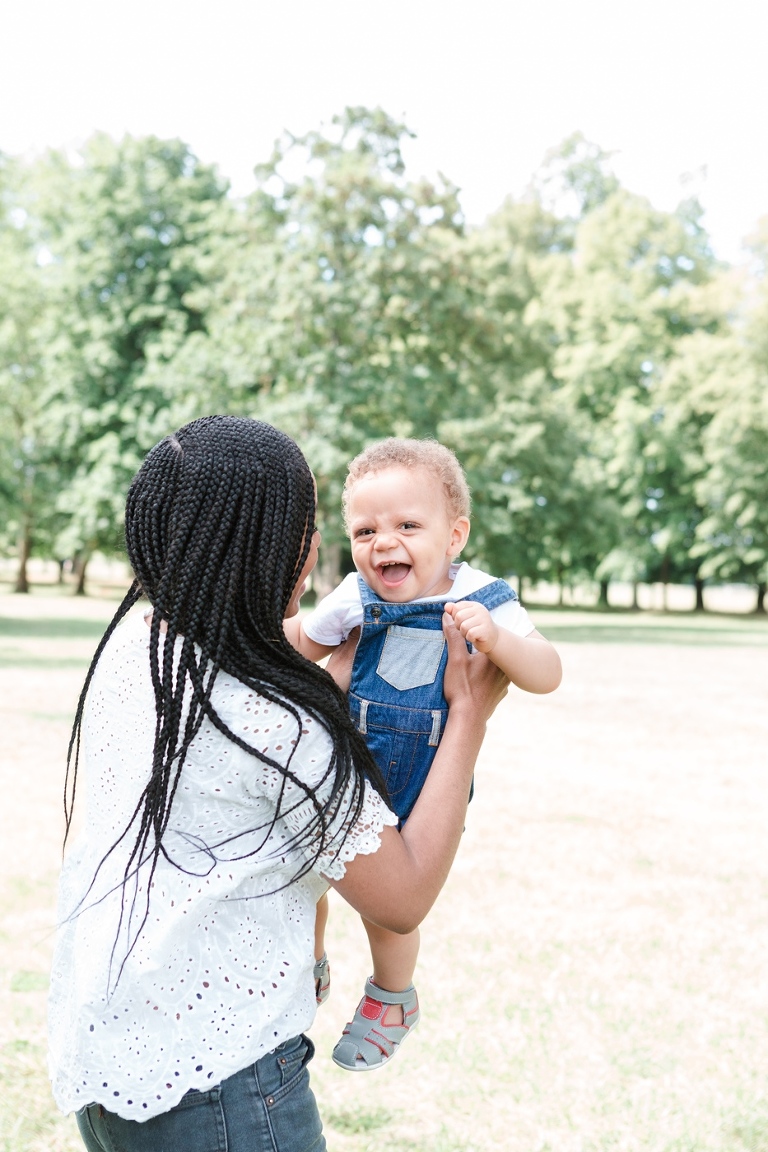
594	974
705	629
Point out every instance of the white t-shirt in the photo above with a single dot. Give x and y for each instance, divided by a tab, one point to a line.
222	971
342	610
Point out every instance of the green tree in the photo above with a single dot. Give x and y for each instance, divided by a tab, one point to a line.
349	313
26	477
574	179
732	537
128	229
538	510
619	304
733	534
359	307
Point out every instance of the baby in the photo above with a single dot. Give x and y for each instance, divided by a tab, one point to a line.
406	505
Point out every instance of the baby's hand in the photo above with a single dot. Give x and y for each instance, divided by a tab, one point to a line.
475	624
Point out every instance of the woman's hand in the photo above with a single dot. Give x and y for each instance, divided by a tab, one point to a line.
471	680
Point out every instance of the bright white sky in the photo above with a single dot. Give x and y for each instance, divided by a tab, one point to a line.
673	86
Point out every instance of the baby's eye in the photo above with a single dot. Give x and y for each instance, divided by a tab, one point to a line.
363	532
407	524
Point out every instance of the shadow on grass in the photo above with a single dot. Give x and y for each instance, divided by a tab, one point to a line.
10	658
671	634
706	629
52	628
578	626
46	628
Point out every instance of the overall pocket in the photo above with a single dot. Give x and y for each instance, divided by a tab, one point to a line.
410	657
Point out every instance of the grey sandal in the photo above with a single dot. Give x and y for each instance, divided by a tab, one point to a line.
366	1043
322	979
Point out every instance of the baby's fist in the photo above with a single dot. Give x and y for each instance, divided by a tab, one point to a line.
475	624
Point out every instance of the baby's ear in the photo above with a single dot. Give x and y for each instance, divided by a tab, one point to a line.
459	535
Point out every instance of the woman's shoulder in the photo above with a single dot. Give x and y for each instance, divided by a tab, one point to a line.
126	647
132	632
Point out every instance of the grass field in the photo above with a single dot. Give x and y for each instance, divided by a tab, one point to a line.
595	974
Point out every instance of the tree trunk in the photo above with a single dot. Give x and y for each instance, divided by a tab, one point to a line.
635	602
25	548
602	601
327	574
80	565
699	584
664	582
760	605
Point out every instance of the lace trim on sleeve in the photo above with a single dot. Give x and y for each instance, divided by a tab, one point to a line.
344	839
362	839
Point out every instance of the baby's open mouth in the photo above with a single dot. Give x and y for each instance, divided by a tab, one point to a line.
393	574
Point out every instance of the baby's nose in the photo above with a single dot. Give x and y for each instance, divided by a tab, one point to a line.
384	541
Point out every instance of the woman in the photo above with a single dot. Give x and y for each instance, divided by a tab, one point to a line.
226	788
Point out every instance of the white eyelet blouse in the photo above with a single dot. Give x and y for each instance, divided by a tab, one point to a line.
222	970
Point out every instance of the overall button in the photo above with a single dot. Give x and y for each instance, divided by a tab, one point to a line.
376	612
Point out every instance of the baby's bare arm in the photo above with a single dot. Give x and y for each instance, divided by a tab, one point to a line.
530	661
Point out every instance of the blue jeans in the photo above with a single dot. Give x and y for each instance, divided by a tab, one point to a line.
267	1107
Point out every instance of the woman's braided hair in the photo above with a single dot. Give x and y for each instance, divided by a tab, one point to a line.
218	526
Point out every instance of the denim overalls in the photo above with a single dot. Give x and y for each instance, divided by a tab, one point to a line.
396	695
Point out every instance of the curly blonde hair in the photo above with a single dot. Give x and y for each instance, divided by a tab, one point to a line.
427	454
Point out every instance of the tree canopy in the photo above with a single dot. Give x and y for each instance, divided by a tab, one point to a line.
599	374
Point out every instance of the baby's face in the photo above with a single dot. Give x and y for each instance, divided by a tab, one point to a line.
402	533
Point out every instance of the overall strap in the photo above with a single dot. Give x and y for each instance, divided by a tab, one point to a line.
366	596
493	594
386	612
490	595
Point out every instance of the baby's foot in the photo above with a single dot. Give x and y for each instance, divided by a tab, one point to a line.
382	1021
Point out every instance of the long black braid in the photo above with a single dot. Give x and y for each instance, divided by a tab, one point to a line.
219	523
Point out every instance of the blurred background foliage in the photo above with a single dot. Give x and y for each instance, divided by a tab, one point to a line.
601	376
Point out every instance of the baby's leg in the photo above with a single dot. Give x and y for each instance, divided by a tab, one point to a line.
394	962
321	919
379	1026
322	967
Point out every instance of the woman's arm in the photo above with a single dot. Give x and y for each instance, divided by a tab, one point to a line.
299	640
397	885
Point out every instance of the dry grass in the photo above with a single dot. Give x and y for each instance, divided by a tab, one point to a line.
594	975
